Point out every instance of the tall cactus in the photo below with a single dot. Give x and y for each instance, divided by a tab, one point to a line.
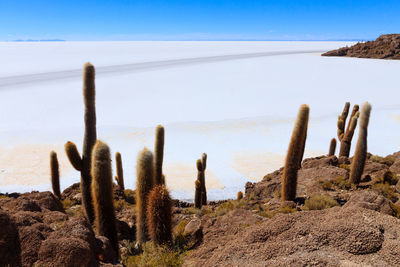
203	179
120	171
197	194
55	174
144	184
346	136
332	147
360	155
295	155
102	193
83	163
158	155
159	215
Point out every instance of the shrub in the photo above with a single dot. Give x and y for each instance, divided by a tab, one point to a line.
385	190
345	166
342	183
287	209
383	160
320	202
326	185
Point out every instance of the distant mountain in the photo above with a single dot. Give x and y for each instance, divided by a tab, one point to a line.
44	40
384	47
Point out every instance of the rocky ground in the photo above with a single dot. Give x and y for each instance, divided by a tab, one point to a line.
384	47
331	223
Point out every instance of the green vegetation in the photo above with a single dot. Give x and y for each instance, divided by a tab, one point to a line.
320	202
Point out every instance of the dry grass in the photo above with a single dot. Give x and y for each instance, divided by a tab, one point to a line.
320	202
385	190
383	160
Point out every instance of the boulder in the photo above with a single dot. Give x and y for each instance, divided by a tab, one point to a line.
193	232
369	199
10	249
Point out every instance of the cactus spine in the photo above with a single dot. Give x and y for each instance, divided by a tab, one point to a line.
295	155
120	171
159	211
158	155
360	155
83	165
203	179
197	194
55	174
103	195
332	147
144	184
239	196
345	137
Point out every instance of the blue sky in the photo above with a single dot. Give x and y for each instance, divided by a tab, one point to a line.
198	19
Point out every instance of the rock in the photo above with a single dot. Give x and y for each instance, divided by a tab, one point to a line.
395	168
105	251
26	218
369	199
10	249
194	232
124	231
67	251
30	239
343	160
74	244
46	201
21	204
329	237
54	217
322	161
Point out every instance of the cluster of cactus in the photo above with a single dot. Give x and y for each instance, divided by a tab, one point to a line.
83	163
200	195
294	155
346	135
153	203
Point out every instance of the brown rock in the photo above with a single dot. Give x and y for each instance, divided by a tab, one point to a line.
369	199
68	251
26	218
194	232
331	237
395	168
54	217
10	249
30	239
322	161
105	251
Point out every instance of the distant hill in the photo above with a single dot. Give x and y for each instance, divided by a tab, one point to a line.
384	47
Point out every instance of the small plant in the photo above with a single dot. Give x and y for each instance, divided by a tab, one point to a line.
396	209
159	215
144	184
239	196
55	174
383	160
342	183
287	209
120	171
345	167
158	155
295	155
267	177
360	155
102	193
386	190
326	185
320	202
332	147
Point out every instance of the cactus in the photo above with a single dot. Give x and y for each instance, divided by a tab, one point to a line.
332	147
203	179
345	137
159	213
197	194
158	155
239	196
144	184
83	163
102	193
295	155
120	171
55	174
360	155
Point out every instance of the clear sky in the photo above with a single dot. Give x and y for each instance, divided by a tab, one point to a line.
198	19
